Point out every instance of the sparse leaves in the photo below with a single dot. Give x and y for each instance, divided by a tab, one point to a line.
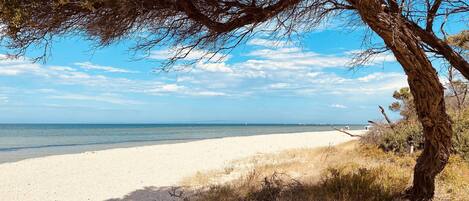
460	40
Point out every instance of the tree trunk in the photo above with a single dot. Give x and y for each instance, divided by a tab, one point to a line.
425	87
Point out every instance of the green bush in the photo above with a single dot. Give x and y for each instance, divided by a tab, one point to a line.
461	135
398	139
406	133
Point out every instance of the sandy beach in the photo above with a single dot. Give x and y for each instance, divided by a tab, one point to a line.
116	174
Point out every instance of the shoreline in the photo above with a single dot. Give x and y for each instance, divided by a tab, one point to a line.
20	153
26	154
113	173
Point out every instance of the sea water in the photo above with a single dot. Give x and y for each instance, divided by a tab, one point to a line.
23	141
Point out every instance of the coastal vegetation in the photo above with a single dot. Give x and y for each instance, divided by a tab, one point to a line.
375	167
412	31
406	134
353	171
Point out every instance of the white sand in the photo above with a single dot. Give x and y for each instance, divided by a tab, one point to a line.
115	173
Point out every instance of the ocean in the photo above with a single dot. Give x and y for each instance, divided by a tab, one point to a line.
23	141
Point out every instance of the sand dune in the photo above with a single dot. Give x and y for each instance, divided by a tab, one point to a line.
139	173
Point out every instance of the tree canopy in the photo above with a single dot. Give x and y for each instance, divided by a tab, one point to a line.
209	24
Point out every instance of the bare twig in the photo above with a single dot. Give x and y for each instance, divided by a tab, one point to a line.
372	122
350	134
386	117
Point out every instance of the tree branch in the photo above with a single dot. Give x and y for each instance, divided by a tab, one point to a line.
248	16
431	13
386	117
443	49
350	134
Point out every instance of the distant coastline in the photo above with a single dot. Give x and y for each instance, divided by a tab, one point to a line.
192	124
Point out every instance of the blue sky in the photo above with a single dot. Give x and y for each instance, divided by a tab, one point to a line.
261	81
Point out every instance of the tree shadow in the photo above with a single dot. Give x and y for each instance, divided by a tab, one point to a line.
337	184
152	193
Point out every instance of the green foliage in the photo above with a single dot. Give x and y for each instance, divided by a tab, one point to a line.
408	131
461	135
404	104
401	138
405	134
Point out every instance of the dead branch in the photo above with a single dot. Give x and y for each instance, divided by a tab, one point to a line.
386	117
372	122
350	134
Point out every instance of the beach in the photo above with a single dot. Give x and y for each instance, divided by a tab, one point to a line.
115	174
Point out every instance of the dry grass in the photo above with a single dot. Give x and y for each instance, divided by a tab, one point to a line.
294	162
347	172
453	182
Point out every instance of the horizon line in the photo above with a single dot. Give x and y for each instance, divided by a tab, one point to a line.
177	123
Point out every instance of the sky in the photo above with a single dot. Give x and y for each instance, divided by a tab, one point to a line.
308	80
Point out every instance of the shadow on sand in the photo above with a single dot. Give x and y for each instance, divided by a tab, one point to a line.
154	194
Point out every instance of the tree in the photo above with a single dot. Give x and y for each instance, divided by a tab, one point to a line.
404	104
406	28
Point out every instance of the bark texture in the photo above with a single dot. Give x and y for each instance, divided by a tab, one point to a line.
425	87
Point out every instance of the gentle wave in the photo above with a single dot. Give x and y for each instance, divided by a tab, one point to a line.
96	143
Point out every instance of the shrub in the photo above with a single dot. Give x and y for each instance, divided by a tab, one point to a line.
399	139
461	136
407	133
379	183
348	182
368	173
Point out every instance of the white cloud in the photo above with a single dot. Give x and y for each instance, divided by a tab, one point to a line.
313	74
107	98
338	106
295	58
3	99
214	67
375	59
281	85
14	67
91	66
46	90
267	43
294	70
64	75
162	88
369	85
377	76
185	79
289	70
385	57
207	93
62	68
188	55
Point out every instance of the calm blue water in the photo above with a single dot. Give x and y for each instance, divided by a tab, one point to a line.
22	141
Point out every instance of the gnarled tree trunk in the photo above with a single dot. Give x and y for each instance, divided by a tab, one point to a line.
425	87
